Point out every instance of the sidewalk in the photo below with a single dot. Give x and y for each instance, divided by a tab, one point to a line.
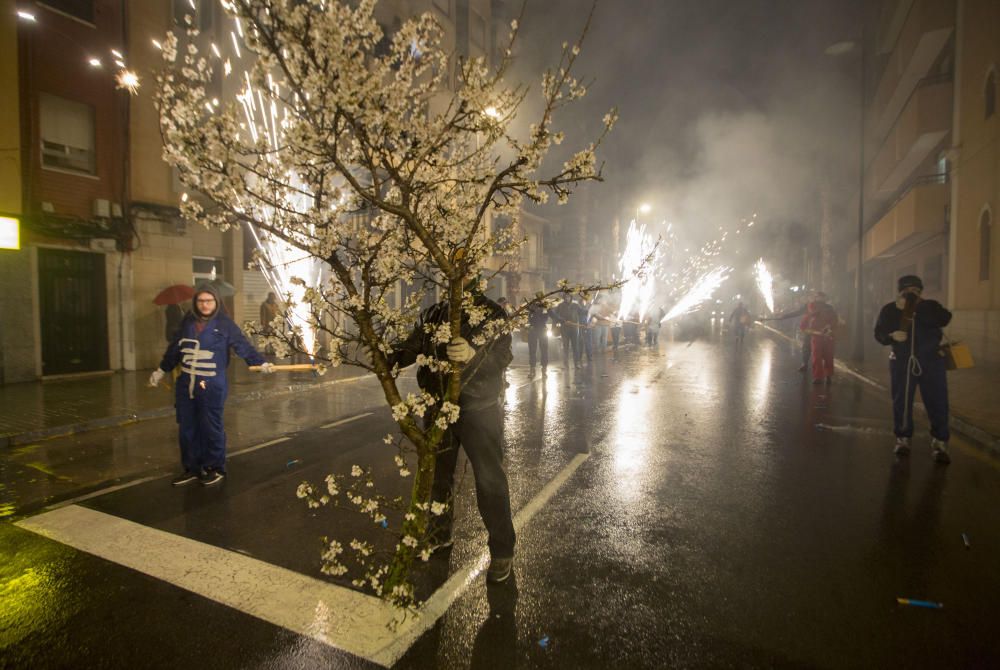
974	411
33	411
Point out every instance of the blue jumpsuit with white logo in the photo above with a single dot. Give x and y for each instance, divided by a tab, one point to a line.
202	387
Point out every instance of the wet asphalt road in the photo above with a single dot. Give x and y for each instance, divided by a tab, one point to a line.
713	525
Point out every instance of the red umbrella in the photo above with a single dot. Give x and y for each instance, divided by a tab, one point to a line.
173	295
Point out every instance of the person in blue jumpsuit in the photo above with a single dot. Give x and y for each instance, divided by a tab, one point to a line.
912	327
201	347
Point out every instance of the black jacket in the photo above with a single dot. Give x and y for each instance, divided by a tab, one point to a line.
925	334
482	377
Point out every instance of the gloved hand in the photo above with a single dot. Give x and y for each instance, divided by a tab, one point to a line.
267	368
156	377
899	335
900	302
460	351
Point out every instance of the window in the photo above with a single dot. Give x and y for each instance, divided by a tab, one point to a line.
204	269
478	28
79	9
443	6
67	134
985	245
990	94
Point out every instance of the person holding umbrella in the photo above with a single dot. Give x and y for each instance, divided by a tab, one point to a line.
201	347
172	297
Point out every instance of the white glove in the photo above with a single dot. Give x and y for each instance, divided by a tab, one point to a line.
156	377
459	351
899	335
267	368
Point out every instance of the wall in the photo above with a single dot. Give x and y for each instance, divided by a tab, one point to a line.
977	183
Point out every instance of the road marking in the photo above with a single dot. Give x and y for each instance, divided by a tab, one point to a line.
458	583
101	492
334	615
278	440
347	420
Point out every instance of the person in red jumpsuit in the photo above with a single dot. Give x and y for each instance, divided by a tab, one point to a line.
819	322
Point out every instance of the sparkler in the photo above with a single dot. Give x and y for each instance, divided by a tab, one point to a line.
765	282
288	270
640	285
702	291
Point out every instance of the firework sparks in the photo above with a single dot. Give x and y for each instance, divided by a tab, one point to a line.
640	286
765	283
128	80
703	290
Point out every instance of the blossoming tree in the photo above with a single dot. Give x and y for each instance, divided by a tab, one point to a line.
348	146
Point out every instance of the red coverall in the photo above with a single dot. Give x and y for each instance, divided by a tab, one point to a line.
819	323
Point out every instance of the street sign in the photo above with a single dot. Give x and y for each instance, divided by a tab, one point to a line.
10	233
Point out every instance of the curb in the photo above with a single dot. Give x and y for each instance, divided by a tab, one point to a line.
983	439
117	421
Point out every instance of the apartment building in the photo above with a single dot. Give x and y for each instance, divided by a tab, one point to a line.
63	289
974	159
932	178
910	63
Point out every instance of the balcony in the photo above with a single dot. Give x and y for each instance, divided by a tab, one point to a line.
924	34
915	218
919	130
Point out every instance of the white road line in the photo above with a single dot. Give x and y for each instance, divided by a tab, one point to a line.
347	420
337	616
101	492
259	446
458	583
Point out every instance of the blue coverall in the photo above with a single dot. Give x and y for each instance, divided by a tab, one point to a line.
917	363
202	387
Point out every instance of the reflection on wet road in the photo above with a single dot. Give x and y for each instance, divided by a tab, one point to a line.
728	514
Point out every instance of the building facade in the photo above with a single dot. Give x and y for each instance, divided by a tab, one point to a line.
974	277
932	175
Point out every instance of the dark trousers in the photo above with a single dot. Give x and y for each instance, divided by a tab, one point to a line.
571	340
806	351
201	434
587	339
480	433
933	384
538	341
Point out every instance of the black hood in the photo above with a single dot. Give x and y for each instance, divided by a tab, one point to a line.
206	288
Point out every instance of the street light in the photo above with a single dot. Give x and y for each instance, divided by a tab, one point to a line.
858	336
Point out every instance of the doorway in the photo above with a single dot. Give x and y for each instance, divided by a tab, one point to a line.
73	310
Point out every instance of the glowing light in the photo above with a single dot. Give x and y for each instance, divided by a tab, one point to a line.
645	208
128	80
95	62
702	291
10	233
492	112
27	16
765	283
640	285
157	44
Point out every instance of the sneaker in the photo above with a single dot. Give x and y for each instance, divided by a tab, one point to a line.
940	452
211	477
902	446
185	477
500	569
